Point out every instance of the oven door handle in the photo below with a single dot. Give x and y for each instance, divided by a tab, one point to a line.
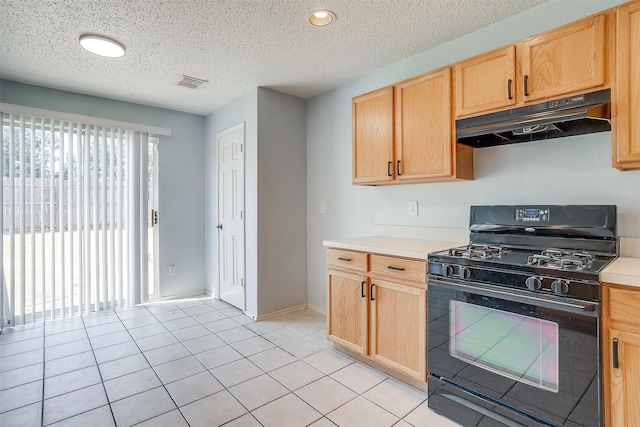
558	303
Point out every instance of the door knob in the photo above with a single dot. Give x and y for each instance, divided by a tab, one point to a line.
219	226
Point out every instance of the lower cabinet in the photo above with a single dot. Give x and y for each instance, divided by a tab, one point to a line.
398	327
348	313
621	355
377	307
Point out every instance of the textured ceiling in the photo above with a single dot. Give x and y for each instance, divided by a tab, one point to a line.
236	45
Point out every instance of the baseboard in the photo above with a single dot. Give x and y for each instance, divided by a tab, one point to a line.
189	295
287	310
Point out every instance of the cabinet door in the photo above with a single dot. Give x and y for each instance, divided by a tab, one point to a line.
347	314
424	127
486	82
372	142
626	105
565	60
623	382
399	327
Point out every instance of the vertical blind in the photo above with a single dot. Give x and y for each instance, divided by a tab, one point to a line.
73	218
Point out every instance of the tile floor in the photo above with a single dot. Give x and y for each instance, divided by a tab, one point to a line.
197	362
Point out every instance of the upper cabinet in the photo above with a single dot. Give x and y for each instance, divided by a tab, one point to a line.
626	93
563	61
404	133
372	121
568	59
486	82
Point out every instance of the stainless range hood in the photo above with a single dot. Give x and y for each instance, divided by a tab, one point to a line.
576	115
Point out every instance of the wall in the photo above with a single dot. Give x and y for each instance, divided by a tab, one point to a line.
243	109
282	187
275	186
569	170
181	168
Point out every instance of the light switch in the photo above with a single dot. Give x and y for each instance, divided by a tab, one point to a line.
323	208
413	208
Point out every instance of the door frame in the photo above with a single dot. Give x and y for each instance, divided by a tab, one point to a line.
219	135
156	232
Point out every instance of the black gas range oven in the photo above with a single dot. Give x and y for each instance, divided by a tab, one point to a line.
513	317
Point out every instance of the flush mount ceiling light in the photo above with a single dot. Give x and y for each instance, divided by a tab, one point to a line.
322	17
101	45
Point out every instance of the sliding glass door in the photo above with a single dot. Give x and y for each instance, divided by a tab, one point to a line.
74	218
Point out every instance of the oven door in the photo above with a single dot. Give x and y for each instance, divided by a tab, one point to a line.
500	357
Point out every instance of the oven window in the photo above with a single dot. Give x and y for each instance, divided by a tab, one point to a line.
516	346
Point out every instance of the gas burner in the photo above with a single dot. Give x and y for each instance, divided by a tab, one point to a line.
476	251
561	259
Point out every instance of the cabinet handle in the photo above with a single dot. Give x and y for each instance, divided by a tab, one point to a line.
344	259
391	267
616	365
526	85
509	84
371	292
362	289
389	169
398	168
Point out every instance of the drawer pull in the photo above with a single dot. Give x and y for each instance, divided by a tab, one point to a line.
371	292
616	365
509	94
362	289
344	259
391	267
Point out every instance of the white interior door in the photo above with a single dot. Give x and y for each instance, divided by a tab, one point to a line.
231	257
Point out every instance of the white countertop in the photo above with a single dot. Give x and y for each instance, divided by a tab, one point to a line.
623	271
409	248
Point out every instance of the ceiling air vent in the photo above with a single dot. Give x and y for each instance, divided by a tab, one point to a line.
191	82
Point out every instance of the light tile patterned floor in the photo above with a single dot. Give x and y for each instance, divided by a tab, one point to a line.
197	362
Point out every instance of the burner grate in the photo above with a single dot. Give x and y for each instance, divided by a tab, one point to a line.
476	251
561	259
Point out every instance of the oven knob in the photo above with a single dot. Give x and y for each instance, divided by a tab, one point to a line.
464	273
447	270
559	287
533	283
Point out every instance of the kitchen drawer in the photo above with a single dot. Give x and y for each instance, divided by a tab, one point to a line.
341	258
401	268
624	305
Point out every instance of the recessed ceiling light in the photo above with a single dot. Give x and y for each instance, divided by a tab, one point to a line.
322	17
101	45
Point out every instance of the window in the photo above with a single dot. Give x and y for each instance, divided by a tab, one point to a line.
516	346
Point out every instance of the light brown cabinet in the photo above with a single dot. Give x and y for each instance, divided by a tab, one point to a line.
404	133
621	355
485	82
399	327
348	313
560	62
373	136
380	311
626	93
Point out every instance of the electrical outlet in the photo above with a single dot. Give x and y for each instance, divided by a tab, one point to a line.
413	208
323	208
172	270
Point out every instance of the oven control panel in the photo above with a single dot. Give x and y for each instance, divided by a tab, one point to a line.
532	214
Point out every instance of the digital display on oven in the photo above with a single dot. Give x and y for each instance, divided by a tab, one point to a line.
532	214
